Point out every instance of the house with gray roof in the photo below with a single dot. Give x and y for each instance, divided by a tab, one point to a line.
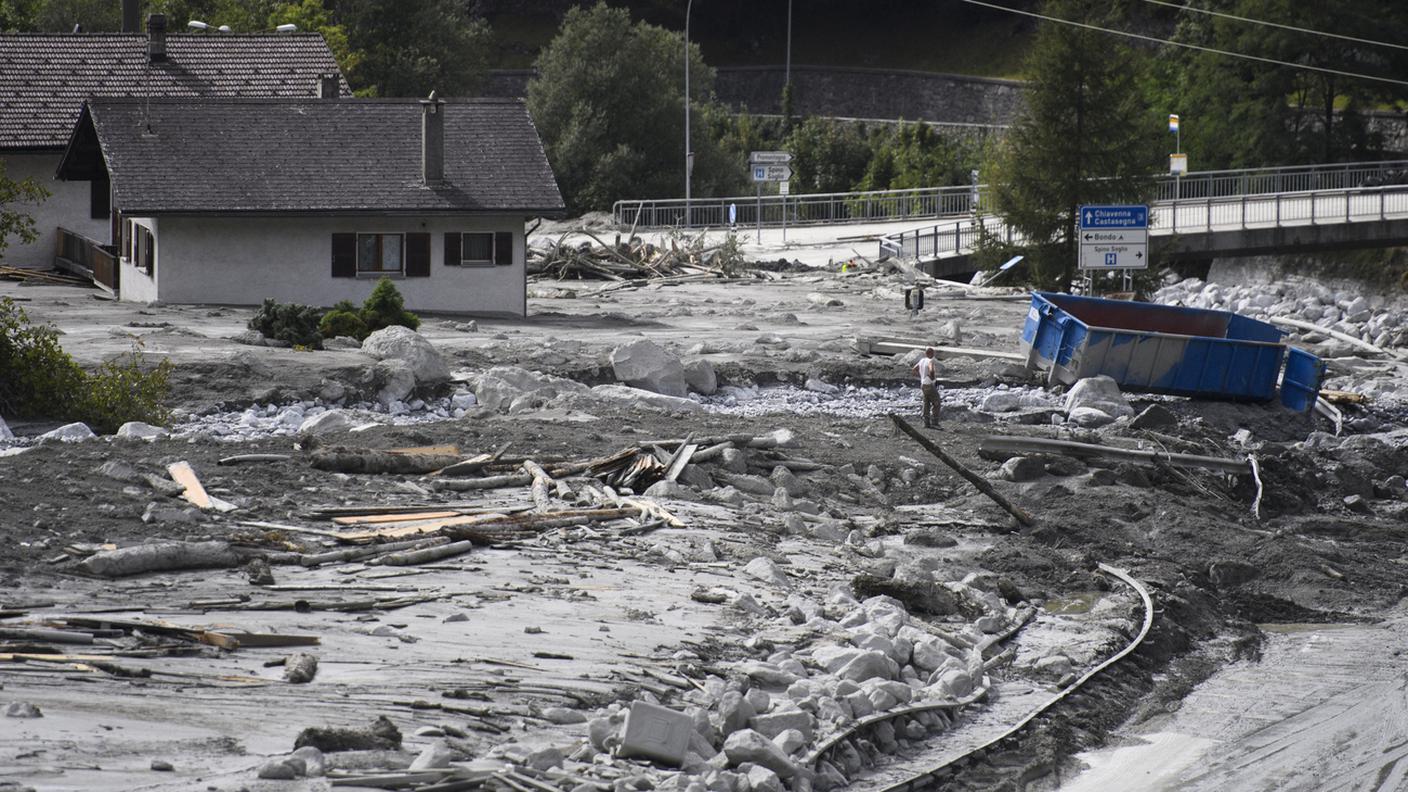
45	78
233	201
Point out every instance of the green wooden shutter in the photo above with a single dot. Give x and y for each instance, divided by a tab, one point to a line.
344	255
417	255
452	248
503	248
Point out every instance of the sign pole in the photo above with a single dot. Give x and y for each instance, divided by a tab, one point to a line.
760	211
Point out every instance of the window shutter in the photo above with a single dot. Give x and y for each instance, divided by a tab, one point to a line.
503	248
452	248
99	197
417	255
344	255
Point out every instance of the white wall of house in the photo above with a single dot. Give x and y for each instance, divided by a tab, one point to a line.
245	260
68	205
134	284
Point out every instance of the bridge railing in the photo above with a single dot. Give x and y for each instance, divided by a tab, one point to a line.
1183	216
957	201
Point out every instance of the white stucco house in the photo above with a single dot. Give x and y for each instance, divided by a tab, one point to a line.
234	201
45	77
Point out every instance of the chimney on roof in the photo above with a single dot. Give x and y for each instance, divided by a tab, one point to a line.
329	87
131	16
156	37
432	140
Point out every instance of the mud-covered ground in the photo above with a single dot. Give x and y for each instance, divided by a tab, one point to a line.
1217	572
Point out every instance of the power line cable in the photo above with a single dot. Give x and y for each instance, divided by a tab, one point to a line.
1185	45
1269	23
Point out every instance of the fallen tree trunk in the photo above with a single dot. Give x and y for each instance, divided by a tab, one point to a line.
973	478
997	446
1345	337
427	554
358	460
490	482
353	553
161	557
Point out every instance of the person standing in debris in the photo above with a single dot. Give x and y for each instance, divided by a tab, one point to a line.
928	370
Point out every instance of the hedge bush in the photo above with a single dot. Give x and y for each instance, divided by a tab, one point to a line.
291	322
344	319
385	307
40	380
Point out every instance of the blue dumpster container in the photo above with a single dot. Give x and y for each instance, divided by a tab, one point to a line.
1163	349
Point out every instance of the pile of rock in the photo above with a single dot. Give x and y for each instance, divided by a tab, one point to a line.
1373	318
758	728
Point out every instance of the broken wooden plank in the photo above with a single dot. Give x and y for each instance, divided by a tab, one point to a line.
973	478
682	457
182	473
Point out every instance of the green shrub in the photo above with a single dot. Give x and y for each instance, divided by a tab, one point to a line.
343	320
385	307
291	322
40	380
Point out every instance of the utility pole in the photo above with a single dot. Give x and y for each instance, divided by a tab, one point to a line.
688	152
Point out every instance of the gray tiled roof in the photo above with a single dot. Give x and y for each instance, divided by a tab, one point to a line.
44	77
302	155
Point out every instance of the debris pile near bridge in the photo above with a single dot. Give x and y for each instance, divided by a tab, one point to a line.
633	258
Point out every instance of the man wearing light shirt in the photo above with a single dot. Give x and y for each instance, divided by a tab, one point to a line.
928	370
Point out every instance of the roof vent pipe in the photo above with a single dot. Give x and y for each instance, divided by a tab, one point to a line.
432	140
156	37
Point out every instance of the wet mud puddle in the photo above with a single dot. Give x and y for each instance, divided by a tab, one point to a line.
1326	707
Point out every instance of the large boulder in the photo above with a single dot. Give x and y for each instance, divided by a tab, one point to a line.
326	423
699	376
632	398
69	433
645	364
394	379
752	747
498	388
137	430
403	343
1098	393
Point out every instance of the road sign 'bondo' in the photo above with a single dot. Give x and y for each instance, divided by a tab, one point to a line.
1114	237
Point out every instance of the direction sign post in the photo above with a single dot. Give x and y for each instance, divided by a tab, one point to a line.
1114	237
770	157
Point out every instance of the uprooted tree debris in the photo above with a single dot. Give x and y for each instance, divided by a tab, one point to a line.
634	258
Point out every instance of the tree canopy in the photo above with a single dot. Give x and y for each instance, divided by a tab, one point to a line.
609	103
1084	136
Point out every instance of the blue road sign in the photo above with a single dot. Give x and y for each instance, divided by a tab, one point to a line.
1111	259
1131	217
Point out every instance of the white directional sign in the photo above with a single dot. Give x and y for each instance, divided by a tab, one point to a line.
1114	237
770	157
771	173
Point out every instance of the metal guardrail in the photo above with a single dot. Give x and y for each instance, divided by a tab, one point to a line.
940	202
1184	216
